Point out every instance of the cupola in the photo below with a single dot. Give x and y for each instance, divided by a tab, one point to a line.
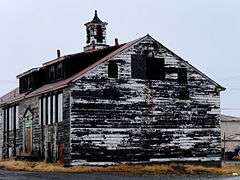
96	34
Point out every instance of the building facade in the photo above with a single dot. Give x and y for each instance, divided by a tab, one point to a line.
135	102
230	127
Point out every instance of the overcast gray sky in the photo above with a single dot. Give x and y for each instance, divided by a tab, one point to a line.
204	32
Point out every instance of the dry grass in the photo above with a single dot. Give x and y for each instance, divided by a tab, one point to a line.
150	168
236	158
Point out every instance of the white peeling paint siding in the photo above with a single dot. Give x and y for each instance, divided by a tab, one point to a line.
134	120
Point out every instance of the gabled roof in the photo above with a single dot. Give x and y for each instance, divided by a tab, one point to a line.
114	50
66	82
109	53
187	63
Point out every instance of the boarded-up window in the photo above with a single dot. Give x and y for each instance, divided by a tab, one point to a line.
49	109
112	69
60	107
53	108
10	119
45	110
56	107
144	67
40	111
138	66
182	76
17	117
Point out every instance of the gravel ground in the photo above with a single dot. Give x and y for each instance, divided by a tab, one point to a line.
10	175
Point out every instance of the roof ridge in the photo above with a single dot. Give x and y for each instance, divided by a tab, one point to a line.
65	82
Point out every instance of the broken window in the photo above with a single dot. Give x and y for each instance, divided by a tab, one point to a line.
112	69
182	76
144	67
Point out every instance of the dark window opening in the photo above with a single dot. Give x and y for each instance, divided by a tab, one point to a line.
51	73
88	36
138	66
182	76
27	83
59	71
155	68
184	94
144	67
99	34
112	69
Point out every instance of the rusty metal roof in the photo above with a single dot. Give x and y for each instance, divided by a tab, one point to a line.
14	95
11	97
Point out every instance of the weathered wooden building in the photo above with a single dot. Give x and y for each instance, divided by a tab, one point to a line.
132	102
230	128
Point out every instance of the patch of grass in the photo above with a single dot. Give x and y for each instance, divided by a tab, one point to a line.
127	168
236	158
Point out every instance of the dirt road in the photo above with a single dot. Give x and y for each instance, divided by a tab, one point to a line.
9	175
